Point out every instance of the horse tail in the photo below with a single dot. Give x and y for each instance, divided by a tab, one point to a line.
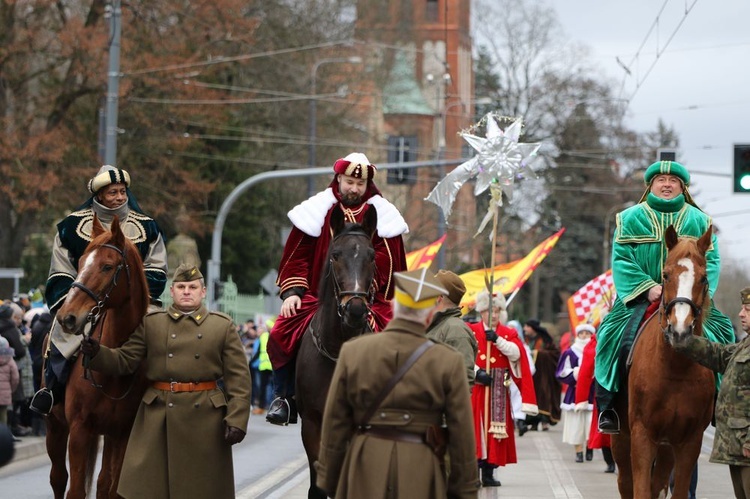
93	452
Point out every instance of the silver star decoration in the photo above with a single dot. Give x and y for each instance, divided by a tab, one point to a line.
500	159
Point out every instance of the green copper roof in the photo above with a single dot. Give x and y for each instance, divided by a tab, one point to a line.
401	94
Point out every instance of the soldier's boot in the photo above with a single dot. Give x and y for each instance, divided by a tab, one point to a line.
488	480
283	409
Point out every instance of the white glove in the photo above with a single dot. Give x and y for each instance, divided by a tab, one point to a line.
575	372
581	406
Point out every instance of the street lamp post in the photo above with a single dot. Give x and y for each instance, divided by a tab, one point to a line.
605	240
313	109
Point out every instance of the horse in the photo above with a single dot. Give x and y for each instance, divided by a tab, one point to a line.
669	399
109	297
344	297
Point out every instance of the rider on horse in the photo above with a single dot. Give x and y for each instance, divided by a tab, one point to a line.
111	197
304	259
638	255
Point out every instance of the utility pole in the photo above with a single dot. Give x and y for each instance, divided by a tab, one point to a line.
113	85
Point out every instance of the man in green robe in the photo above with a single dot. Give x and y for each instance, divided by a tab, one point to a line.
638	255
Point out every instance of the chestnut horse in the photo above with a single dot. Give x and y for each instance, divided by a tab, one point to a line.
670	398
108	299
344	298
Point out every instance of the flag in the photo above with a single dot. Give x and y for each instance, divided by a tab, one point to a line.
423	257
589	304
509	277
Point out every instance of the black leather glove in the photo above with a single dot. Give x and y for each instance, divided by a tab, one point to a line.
491	335
90	347
483	378
233	435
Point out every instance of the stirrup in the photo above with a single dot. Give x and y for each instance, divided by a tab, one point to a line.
609	422
42	401
281	412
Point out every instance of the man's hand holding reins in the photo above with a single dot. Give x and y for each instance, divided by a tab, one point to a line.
654	293
290	305
90	347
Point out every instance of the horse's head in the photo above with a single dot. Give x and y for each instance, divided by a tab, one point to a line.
351	265
107	272
684	285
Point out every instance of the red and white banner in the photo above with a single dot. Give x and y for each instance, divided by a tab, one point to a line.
589	304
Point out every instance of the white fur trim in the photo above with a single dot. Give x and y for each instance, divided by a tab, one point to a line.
530	409
390	221
309	215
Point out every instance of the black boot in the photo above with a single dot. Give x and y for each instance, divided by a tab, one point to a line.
522	427
487	479
56	371
589	454
579	457
607	453
283	410
609	422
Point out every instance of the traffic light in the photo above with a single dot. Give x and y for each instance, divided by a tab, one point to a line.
741	168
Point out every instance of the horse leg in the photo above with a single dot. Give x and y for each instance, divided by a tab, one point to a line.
82	454
311	442
642	460
621	455
686	456
662	470
57	444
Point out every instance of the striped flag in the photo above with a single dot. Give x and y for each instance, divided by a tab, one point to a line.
423	257
509	277
589	304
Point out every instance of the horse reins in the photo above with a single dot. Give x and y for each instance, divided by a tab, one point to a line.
667	308
367	296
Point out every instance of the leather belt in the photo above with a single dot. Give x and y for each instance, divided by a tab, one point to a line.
189	386
393	434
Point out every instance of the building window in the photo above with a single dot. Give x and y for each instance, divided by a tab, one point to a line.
431	12
402	150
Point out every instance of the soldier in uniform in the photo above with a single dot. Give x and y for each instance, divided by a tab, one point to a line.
447	326
732	439
182	437
398	452
111	197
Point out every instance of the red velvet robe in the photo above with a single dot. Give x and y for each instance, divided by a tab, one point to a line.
597	440
503	451
302	264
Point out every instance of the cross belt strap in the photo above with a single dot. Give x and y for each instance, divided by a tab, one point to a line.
189	386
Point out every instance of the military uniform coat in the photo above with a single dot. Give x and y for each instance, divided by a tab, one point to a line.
176	447
733	402
448	327
357	465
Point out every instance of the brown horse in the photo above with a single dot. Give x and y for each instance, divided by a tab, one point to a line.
344	297
110	298
670	398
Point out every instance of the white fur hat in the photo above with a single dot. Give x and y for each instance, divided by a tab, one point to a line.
483	301
585	327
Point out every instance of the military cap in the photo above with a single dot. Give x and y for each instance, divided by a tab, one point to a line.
667	168
745	295
355	165
106	175
417	288
453	283
187	272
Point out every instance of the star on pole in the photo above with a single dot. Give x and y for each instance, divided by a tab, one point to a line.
500	159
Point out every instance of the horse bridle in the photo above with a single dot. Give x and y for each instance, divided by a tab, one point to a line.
99	302
367	296
667	308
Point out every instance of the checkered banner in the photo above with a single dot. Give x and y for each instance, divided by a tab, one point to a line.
590	303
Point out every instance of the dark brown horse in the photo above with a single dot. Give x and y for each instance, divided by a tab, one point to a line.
670	398
109	299
344	297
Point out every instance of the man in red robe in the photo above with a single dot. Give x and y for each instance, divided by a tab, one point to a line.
303	261
501	357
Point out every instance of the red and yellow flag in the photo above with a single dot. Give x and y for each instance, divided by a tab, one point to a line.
423	257
509	277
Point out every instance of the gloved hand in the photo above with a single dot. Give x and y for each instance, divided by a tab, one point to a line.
233	435
483	378
90	347
581	406
490	335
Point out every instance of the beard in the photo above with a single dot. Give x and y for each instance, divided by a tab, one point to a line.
351	199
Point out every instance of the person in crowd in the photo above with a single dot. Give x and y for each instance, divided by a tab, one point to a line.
732	413
500	360
9	379
392	398
182	437
304	259
576	418
585	387
21	419
260	367
447	326
110	197
9	330
516	401
638	255
546	355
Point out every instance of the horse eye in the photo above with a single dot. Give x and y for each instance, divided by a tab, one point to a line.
107	268
335	255
664	277
704	280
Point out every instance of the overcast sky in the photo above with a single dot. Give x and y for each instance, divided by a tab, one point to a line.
699	85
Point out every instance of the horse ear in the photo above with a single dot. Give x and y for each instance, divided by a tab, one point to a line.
97	228
337	220
670	236
705	241
118	238
370	222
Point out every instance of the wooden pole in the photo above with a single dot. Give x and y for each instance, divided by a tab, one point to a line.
489	322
